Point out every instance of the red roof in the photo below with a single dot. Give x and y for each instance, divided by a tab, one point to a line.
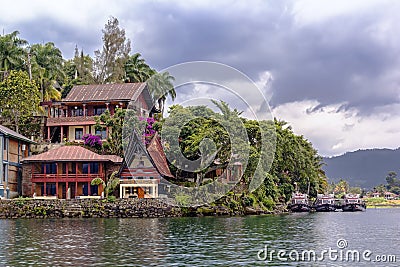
72	153
157	154
105	92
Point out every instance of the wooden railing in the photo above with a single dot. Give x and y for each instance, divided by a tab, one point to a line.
71	177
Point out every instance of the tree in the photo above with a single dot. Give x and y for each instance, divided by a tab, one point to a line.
47	69
78	70
391	178
342	187
160	86
108	186
19	98
115	124
110	61
295	160
12	52
137	70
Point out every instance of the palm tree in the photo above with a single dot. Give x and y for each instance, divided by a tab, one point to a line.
137	70
160	86
12	52
47	69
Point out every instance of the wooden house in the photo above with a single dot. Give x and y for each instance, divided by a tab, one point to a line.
66	172
14	148
74	116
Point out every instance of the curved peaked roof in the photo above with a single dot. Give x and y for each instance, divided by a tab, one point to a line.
105	92
71	153
158	157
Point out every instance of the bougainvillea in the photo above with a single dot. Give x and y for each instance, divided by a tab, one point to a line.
149	131
92	140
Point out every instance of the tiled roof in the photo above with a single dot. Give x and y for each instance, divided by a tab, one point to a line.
104	92
157	154
8	132
113	158
71	153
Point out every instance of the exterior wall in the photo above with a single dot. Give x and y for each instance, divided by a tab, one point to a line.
27	185
32	184
11	168
87	129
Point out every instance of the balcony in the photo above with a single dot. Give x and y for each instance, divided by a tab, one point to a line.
78	120
52	178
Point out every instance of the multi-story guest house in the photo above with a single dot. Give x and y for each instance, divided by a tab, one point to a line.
67	172
73	117
13	149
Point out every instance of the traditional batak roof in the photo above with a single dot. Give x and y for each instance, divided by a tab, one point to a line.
72	153
158	157
104	92
8	132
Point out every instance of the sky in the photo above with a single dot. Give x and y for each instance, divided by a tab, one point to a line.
329	68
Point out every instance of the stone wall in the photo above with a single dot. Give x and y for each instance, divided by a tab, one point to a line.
87	208
26	179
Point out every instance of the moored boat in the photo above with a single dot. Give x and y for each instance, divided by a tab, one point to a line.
352	202
299	203
325	203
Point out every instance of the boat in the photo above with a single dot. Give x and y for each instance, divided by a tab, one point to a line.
352	202
299	203
325	203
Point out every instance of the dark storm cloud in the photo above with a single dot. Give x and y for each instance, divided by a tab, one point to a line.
65	36
335	61
346	59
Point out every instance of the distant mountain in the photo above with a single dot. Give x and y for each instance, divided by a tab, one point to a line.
364	168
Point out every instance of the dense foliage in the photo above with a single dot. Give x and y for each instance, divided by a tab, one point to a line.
19	99
295	160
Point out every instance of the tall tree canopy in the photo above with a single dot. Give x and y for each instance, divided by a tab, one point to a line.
12	52
137	69
19	99
78	70
109	64
47	69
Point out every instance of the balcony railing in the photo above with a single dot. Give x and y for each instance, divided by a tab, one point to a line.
139	181
66	120
70	177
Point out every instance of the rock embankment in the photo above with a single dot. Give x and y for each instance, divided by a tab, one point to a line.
87	208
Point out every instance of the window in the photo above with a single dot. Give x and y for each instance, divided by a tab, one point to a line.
99	110
78	133
76	112
72	168
50	168
85	168
94	190
94	167
51	189
102	133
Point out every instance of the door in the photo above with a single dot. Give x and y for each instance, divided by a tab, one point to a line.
140	192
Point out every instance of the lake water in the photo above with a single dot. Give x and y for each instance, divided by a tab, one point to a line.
207	241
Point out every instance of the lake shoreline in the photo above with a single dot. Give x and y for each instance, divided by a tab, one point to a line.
120	208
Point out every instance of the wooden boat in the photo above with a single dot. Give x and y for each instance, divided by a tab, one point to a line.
352	202
299	203
325	203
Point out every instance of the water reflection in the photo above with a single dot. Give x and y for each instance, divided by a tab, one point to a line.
208	241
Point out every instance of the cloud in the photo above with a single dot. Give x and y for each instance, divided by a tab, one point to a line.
334	130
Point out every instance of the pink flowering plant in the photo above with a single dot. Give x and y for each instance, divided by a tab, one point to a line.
149	131
92	141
